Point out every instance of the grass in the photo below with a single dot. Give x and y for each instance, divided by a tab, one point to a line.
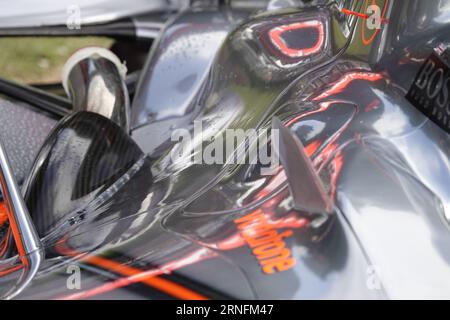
40	59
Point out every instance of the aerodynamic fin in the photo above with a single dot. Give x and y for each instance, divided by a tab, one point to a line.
306	188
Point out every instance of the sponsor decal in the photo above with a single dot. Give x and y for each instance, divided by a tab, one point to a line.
430	91
266	242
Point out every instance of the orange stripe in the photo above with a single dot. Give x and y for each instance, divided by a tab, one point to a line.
136	275
161	284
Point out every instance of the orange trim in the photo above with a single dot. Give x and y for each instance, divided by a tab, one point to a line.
161	284
134	275
3	213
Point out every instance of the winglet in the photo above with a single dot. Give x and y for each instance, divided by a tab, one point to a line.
306	188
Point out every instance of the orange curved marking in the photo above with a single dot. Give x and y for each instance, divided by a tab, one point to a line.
354	13
383	15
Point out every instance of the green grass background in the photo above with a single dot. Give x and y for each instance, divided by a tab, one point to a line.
40	59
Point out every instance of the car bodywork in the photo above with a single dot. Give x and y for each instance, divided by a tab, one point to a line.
106	197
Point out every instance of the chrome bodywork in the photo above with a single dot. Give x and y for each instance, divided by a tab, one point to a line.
384	164
94	79
178	66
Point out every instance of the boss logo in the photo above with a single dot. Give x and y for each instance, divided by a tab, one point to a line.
430	91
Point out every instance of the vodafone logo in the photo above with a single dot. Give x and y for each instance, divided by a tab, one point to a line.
266	243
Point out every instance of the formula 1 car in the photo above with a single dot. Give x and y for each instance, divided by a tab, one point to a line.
235	150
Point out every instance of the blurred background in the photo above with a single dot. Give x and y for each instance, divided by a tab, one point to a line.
39	60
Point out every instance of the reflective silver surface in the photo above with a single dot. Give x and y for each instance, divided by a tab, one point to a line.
176	70
384	165
94	79
392	163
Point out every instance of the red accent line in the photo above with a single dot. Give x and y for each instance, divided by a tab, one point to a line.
361	15
348	78
354	13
